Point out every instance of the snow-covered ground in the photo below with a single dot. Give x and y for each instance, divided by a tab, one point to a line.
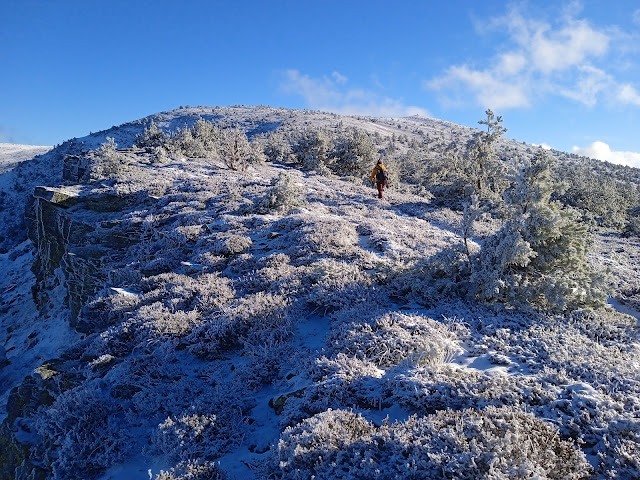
12	154
272	340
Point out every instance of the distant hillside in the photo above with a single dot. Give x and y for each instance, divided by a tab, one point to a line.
11	154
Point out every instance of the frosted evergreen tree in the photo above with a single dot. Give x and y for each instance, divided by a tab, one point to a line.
484	170
235	149
152	137
311	148
207	135
354	153
539	256
278	149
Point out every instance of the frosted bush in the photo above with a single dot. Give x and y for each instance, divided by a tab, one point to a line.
156	321
428	388
199	421
163	261
632	228
623	448
273	274
500	443
231	244
264	363
441	275
176	291
193	470
338	382
353	153
607	327
396	337
310	148
336	284
190	435
329	235
284	195
106	310
234	149
538	257
84	426
107	162
598	195
254	320
278	149
151	137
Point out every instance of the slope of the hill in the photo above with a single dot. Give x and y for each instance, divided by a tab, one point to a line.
271	323
12	154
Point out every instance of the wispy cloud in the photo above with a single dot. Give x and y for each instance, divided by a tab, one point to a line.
568	58
5	136
333	93
628	94
602	151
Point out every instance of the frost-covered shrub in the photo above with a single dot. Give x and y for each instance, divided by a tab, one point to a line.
107	161
599	196
395	337
156	320
500	443
190	435
539	256
623	446
202	424
208	136
327	235
337	284
264	363
258	319
230	244
429	388
193	469
286	193
278	149
632	228
273	274
176	291
353	153
310	148
338	382
108	309
234	149
606	327
85	429
164	261
444	274
151	137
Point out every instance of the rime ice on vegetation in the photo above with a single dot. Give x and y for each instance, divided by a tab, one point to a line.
219	293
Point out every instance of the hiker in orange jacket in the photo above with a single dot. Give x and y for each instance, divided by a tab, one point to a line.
379	174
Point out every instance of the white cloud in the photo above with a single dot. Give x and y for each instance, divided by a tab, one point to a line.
544	146
488	89
590	84
636	17
570	46
537	60
333	94
602	151
629	95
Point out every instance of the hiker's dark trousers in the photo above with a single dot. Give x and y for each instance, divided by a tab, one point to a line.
380	189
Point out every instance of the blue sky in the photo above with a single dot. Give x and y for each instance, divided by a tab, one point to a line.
564	74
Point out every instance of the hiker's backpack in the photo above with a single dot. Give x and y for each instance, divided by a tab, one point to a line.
381	176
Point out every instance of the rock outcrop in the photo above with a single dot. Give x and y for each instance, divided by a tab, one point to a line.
77	231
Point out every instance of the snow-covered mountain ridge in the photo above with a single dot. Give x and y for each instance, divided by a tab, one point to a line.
168	312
